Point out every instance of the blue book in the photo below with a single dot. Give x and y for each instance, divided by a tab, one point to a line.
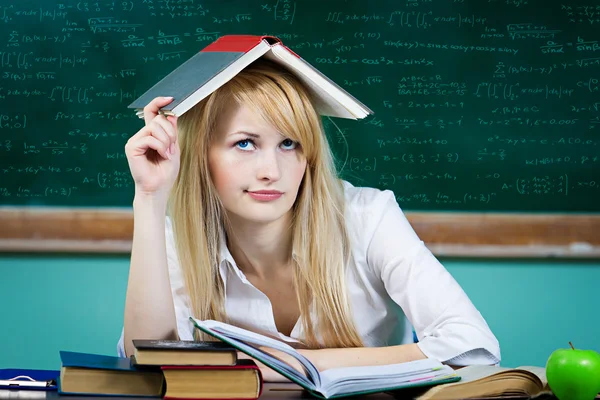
28	379
98	375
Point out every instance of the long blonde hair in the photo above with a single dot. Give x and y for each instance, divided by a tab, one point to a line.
320	241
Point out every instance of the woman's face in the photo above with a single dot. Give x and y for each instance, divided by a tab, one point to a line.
256	170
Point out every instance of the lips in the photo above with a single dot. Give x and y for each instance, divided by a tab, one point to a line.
265	195
272	192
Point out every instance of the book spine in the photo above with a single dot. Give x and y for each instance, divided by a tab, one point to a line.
237	43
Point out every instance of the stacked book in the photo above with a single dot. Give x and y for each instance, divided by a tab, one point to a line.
163	368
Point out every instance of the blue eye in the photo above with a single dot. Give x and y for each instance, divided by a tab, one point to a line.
289	142
243	144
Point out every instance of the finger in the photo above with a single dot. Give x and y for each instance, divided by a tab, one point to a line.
167	126
175	148
151	110
145	131
141	146
158	132
173	120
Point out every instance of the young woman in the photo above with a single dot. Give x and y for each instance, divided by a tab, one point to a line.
262	234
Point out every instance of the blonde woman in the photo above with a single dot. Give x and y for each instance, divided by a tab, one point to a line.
262	234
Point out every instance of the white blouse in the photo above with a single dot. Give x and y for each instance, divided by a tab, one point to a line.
394	284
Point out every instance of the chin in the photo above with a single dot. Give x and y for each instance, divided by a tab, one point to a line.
262	214
262	218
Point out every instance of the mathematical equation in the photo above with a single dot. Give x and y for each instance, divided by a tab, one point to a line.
477	105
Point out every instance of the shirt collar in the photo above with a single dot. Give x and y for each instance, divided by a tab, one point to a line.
226	260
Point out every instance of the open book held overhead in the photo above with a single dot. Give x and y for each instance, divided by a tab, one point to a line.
334	382
223	59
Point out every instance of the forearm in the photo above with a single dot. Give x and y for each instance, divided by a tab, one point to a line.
149	311
363	356
353	357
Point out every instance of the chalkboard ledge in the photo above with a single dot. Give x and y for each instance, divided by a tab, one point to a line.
446	234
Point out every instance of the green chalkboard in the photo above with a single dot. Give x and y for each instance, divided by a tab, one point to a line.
480	105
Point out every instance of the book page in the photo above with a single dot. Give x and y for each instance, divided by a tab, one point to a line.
540	372
242	337
332	100
474	373
349	379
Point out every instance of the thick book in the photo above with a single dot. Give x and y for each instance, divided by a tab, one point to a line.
334	382
240	381
226	57
98	375
183	352
488	381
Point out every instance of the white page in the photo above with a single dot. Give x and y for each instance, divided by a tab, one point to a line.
344	105
383	383
475	372
413	369
259	354
234	332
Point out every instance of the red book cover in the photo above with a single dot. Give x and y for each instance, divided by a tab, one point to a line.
241	364
238	43
242	43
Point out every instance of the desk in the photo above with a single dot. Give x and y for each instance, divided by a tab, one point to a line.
271	391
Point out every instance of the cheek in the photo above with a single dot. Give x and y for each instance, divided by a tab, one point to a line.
223	173
299	170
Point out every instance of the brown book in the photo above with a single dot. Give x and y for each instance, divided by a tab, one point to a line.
240	381
486	381
93	374
182	352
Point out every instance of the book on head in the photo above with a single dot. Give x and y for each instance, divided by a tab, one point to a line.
182	352
334	382
223	59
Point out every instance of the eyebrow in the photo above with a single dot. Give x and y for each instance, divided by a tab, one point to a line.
254	135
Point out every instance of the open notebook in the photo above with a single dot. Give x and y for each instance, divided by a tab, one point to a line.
335	382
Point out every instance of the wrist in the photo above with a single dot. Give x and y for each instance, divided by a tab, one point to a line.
150	202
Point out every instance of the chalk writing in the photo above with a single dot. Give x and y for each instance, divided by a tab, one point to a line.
489	105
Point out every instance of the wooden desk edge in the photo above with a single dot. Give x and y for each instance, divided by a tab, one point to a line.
447	234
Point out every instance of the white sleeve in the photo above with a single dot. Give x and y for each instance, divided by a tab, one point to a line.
448	326
181	300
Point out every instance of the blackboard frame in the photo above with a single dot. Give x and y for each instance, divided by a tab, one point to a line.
447	234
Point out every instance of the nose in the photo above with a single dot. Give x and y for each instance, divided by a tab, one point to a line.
268	167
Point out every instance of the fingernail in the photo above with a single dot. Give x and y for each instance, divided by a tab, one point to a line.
169	97
168	155
172	148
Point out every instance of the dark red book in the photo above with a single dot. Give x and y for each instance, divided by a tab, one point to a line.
242	381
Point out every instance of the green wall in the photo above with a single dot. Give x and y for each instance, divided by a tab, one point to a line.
75	302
